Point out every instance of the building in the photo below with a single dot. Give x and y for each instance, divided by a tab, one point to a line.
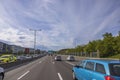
17	49
1	47
5	48
14	49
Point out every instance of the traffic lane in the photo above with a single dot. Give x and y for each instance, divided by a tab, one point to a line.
64	69
50	70
44	71
17	72
73	63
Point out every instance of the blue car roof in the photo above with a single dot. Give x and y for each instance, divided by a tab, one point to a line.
103	61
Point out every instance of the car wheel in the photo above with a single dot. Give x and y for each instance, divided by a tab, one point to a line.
74	77
1	76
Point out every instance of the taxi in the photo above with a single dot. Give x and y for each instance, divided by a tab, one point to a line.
7	58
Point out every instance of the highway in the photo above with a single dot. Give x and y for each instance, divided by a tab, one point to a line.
44	68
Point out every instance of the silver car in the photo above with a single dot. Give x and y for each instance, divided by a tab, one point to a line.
1	73
58	58
71	58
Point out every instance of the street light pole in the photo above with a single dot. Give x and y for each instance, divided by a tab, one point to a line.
34	40
35	31
75	47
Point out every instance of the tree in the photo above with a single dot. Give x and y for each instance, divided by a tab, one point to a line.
108	43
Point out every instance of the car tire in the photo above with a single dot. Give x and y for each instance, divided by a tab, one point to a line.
74	77
1	76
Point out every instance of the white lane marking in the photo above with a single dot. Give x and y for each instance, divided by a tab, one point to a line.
53	62
70	63
60	77
23	75
40	61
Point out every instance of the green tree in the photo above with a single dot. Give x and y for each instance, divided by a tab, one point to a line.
108	43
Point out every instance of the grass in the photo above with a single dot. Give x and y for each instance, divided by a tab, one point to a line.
115	56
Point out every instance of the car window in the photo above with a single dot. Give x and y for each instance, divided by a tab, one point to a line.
58	56
71	57
89	66
115	69
100	68
81	64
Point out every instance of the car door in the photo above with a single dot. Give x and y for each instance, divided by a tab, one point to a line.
89	70
79	71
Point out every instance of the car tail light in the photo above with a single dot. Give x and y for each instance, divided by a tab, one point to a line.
109	78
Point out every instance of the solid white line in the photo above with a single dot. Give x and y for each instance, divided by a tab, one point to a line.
53	62
23	75
70	63
60	77
40	61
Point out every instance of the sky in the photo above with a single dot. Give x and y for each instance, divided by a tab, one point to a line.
63	23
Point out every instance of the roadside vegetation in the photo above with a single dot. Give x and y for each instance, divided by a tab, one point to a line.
115	56
109	46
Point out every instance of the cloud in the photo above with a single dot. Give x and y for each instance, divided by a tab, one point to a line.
22	37
110	18
64	23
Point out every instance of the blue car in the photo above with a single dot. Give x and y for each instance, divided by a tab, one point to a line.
97	70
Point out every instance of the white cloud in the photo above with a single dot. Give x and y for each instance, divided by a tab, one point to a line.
108	20
62	23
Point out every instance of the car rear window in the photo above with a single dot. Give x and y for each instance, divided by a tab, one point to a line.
58	56
115	69
71	57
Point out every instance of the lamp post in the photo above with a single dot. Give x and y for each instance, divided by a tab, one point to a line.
35	31
75	47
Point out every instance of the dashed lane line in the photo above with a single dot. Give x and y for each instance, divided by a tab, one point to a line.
60	77
23	75
53	62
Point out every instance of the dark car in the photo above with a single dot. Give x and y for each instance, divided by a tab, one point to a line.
58	58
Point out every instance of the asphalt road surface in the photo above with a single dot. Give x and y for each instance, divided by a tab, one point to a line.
44	68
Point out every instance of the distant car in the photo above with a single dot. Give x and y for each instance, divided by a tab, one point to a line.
7	58
35	55
1	73
21	57
58	58
28	57
70	58
97	70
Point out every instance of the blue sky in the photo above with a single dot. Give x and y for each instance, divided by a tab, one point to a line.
63	23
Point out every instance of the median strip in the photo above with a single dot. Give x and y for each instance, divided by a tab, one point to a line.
53	62
60	77
23	75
